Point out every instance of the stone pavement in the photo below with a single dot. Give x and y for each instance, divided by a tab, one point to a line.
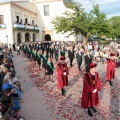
44	101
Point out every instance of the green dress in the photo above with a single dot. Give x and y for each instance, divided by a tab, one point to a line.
62	53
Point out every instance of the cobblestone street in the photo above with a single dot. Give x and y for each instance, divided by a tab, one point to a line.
44	101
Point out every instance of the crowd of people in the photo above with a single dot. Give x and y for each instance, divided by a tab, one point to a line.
43	53
10	87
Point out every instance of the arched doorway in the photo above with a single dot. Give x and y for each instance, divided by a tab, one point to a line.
47	37
19	38
27	37
34	36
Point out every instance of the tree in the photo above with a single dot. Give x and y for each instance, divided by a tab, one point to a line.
99	23
115	26
71	21
76	21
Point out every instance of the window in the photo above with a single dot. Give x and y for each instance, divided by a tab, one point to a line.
1	19
46	10
26	21
32	22
17	18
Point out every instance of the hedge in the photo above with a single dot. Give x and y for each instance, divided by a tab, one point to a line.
107	42
104	42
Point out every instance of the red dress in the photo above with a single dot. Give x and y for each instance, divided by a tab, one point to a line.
89	98
62	79
111	65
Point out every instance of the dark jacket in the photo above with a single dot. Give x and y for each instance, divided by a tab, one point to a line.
49	69
79	57
71	54
56	51
88	60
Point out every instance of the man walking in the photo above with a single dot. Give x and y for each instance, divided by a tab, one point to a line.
79	59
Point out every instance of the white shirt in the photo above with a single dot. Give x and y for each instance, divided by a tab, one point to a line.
18	48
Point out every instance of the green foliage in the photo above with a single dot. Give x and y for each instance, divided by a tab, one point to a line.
115	26
118	42
71	21
99	25
104	42
107	42
76	21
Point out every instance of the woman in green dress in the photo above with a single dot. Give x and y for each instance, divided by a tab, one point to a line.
62	52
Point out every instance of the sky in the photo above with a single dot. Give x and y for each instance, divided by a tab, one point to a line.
110	7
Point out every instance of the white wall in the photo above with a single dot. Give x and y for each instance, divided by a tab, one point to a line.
27	5
56	8
23	14
44	22
6	10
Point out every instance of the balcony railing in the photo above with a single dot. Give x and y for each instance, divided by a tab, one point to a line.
19	26
25	27
3	26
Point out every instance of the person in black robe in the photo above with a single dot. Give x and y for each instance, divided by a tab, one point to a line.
34	55
51	52
42	47
62	52
71	56
88	61
47	50
50	69
44	60
25	49
13	46
38	57
29	53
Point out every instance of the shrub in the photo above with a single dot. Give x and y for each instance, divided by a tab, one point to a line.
104	42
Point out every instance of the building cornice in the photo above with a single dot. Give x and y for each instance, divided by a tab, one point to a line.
44	1
22	8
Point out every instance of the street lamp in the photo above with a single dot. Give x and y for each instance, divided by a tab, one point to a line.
7	39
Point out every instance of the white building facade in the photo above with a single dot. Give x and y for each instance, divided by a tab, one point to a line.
47	10
31	21
18	22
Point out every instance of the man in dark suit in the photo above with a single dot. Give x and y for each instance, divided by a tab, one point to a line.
71	56
47	50
88	61
79	59
68	51
42	47
56	52
51	52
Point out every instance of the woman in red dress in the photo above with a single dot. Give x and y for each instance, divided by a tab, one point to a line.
90	89
62	71
111	66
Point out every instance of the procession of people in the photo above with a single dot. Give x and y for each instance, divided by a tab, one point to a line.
90	54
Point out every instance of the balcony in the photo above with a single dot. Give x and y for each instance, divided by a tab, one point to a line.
26	27
2	26
19	26
36	28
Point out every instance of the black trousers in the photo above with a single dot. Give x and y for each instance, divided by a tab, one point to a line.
87	69
79	64
71	60
18	52
51	55
56	57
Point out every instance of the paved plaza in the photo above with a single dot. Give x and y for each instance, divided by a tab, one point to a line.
44	100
